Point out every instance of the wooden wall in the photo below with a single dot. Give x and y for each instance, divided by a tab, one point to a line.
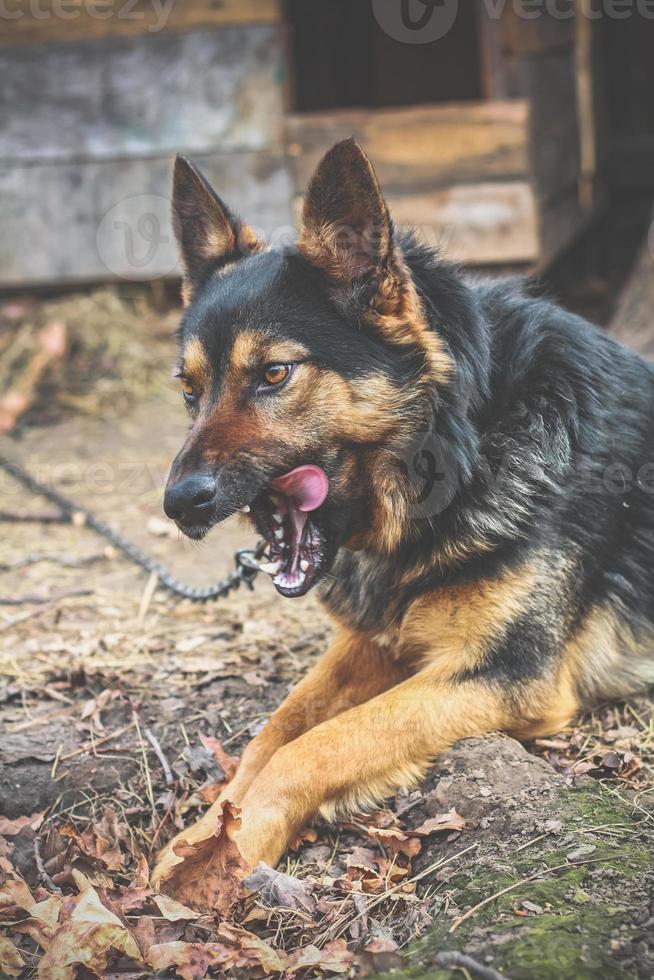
94	107
90	125
458	173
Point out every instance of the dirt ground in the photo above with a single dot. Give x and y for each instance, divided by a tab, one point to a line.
533	861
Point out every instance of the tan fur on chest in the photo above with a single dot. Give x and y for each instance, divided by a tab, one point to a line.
450	629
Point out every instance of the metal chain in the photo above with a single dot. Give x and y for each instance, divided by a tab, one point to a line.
246	559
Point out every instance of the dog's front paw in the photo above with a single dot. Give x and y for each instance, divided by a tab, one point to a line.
204	866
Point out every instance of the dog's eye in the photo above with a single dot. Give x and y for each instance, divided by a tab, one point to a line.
188	391
276	374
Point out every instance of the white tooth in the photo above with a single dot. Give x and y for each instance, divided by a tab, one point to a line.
279	533
304	565
277	517
246	509
289	581
270	567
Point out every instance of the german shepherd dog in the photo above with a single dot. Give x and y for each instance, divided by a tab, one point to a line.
465	472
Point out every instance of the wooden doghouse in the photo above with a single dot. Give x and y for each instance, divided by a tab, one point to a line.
497	139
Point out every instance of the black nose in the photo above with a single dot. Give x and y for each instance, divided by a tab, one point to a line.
191	500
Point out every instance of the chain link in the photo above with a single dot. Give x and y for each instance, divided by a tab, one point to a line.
246	559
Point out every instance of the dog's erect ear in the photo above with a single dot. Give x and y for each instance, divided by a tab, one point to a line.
208	235
346	228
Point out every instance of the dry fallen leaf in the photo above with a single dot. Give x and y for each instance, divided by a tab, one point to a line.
86	932
242	950
138	892
363	872
377	957
9	828
278	890
190	961
101	841
624	765
11	962
444	821
47	912
253	950
228	763
380	818
14	893
334	957
362	857
42	916
173	910
210	875
395	840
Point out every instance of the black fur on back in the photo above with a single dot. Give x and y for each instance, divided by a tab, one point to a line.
546	437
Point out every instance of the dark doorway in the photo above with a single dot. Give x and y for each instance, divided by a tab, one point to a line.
343	59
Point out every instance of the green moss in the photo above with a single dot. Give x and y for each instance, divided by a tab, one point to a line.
570	939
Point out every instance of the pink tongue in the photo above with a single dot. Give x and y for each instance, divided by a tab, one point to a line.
308	485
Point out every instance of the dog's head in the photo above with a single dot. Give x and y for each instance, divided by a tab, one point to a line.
303	368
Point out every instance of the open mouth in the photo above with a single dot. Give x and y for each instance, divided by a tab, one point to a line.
286	519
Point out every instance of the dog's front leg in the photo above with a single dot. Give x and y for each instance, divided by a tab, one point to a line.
351	672
362	755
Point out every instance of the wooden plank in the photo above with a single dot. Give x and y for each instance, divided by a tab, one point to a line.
534	26
124	97
585	67
110	220
560	221
553	124
479	224
632	321
493	62
73	20
422	148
